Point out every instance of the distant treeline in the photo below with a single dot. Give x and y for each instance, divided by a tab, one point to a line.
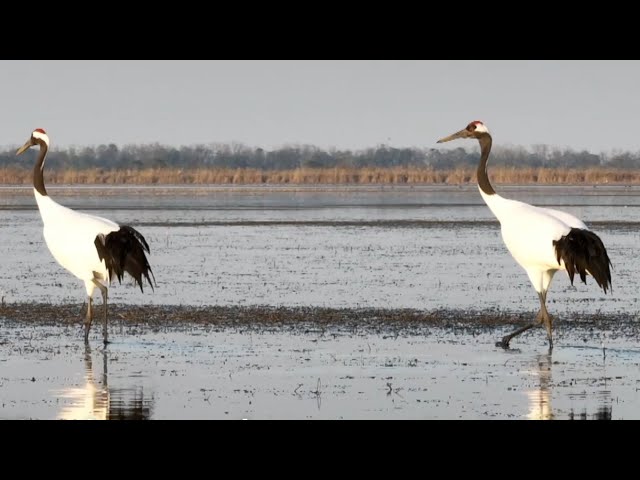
239	164
234	156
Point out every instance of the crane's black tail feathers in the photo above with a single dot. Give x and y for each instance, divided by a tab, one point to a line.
583	252
123	251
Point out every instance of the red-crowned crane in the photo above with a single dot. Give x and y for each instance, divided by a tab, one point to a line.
91	248
541	240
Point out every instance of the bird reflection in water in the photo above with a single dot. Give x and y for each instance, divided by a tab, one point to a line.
97	401
540	398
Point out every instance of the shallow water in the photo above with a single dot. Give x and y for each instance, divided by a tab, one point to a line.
428	248
198	372
411	247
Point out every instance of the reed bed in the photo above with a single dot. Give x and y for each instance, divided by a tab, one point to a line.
319	176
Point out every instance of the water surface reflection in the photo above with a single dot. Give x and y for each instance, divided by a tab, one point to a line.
583	394
540	397
96	400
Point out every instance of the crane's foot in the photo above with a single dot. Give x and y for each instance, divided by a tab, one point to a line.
504	343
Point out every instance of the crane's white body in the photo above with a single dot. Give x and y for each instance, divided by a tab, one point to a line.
540	239
90	247
70	237
528	233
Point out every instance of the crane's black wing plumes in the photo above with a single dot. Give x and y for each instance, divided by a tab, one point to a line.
123	251
582	252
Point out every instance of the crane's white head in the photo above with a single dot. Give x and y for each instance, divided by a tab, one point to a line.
473	130
38	136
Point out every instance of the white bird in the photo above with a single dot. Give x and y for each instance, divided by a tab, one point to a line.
541	240
91	248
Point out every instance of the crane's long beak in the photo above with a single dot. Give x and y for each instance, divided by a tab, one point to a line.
24	147
461	134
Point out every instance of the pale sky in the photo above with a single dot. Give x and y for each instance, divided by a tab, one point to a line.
346	104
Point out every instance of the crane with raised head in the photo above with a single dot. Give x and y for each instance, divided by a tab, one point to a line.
92	248
541	240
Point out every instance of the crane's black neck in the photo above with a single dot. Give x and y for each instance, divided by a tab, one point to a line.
483	178
38	179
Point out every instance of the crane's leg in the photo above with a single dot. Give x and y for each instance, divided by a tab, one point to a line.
504	343
542	317
103	290
104	368
88	363
87	320
546	318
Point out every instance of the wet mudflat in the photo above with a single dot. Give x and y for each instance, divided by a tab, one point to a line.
324	303
308	363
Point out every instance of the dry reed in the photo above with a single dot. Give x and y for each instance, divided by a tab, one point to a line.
317	176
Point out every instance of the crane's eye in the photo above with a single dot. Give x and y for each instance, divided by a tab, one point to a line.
471	127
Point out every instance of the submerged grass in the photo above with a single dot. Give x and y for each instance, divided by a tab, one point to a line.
311	317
